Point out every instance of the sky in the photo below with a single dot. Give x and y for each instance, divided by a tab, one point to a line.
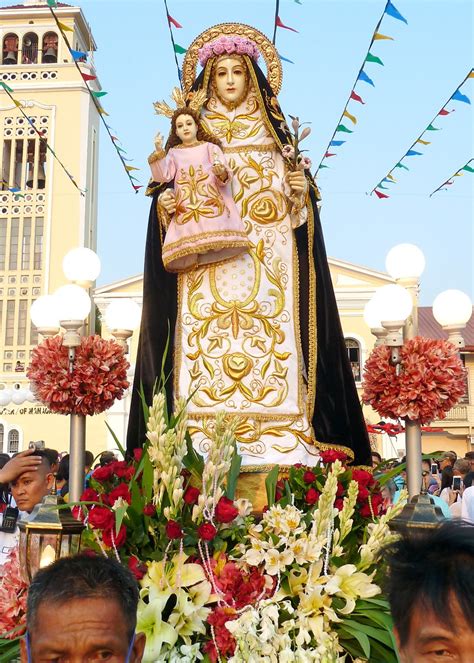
423	66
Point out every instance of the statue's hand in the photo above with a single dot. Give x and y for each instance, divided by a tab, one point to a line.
168	201
220	171
158	142
297	182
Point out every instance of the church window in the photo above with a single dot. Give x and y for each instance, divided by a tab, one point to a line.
10	49
3	242
38	254
2	436
353	351
50	47
26	244
13	441
465	399
13	257
29	50
22	318
10	322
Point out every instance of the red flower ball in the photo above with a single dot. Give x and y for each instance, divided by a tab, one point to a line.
191	495
312	496
99	375
173	530
110	538
226	512
149	509
331	455
101	518
309	477
206	531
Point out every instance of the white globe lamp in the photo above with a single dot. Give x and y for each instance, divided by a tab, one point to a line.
452	309
405	262
44	315
81	266
19	396
5	396
122	317
373	321
73	303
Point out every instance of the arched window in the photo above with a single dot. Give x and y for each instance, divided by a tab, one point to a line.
13	441
10	49
29	50
353	350
50	47
2	436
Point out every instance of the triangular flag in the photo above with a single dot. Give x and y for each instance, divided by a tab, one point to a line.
377	35
458	174
380	186
285	59
363	77
413	153
280	24
401	165
443	111
352	118
52	3
64	27
356	97
102	93
120	148
457	96
387	179
468	168
102	111
329	154
341	127
423	142
430	127
323	166
391	177
18	104
471	74
77	55
373	58
336	143
179	49
380	194
137	186
174	22
392	11
88	77
5	87
129	168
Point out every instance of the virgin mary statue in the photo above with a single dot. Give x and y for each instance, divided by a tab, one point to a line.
258	335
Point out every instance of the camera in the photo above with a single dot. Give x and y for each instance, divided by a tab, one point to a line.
434	468
457	483
39	445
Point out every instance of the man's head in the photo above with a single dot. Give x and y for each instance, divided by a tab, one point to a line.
83	607
430	588
448	458
53	456
89	459
470	457
461	467
29	488
376	458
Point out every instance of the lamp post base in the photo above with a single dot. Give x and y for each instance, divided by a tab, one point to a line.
420	513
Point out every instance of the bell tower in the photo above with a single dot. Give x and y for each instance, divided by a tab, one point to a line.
42	214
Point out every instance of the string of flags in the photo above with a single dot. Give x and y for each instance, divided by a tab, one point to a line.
421	140
362	77
13	189
177	49
467	168
81	56
9	91
279	24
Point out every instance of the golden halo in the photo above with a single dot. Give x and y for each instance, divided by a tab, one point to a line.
265	46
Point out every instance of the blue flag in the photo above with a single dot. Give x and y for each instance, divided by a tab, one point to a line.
392	11
457	96
285	59
413	153
336	143
363	77
78	55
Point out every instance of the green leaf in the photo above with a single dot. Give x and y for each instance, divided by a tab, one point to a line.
193	461
233	475
371	631
270	484
147	478
116	440
119	516
360	636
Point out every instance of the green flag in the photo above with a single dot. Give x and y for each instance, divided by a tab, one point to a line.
5	86
179	49
323	166
98	94
430	127
469	169
401	165
373	58
341	127
52	3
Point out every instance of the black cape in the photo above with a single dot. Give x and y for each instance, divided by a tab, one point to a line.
333	407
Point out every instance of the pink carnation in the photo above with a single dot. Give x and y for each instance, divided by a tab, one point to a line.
12	597
227	44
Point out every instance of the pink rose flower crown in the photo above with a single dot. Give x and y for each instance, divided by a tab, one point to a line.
228	45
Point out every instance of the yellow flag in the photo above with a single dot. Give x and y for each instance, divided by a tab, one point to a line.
18	104
471	75
129	168
391	177
351	117
423	142
377	35
65	27
458	174
102	111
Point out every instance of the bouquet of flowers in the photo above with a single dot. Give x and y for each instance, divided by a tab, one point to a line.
217	584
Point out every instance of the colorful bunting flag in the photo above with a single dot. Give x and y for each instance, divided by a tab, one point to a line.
336	143
88	77
137	186
392	11
174	22
381	186
285	59
179	49
356	97
373	58
430	127
64	27
413	153
52	3
352	118
423	142
129	168
391	177
77	55
471	74
322	166
102	93
280	24
102	111
379	194
443	111
6	87
363	77
401	165
330	154
458	96
341	127
468	168
377	35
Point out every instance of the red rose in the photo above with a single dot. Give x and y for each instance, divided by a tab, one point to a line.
332	455
101	518
110	538
78	513
309	477
365	511
363	494
120	491
226	512
339	503
377	501
103	473
362	477
312	496
137	454
90	495
340	489
136	567
173	530
191	495
123	470
149	509
206	531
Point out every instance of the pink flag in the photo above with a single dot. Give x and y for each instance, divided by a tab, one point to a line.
282	25
380	194
174	22
356	97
